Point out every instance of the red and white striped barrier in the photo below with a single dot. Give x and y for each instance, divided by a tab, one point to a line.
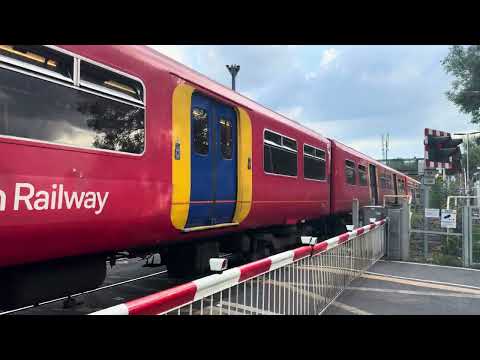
170	299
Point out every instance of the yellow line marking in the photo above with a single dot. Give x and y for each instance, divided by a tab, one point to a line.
350	309
412	292
425	284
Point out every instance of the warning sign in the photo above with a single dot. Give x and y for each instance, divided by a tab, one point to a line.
432	213
448	219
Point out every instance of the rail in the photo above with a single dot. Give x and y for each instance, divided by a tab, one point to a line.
304	281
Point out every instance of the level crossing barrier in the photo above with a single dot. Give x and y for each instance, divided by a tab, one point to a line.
303	281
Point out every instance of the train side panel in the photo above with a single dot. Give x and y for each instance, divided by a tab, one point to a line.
280	199
138	187
343	193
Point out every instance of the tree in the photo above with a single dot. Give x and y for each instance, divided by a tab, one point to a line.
463	62
473	155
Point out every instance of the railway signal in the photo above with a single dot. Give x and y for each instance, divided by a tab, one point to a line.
441	151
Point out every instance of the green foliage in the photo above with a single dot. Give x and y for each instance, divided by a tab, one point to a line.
473	154
463	62
447	260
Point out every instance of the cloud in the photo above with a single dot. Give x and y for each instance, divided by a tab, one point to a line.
350	93
294	112
328	56
311	75
177	53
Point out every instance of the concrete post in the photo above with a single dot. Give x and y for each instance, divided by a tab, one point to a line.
466	236
405	231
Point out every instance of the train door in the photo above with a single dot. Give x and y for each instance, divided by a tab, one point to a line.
373	184
213	188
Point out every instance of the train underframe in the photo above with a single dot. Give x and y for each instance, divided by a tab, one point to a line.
35	283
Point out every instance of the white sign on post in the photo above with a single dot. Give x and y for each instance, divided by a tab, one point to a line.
428	180
475	213
448	219
432	213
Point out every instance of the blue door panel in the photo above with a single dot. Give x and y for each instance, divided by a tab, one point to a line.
226	163
202	164
224	212
226	168
213	172
199	215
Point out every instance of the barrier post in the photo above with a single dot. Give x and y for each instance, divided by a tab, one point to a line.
355	213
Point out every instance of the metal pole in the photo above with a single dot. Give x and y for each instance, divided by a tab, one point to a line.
405	231
468	165
425	220
466	253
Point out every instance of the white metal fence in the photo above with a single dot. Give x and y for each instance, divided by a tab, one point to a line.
304	281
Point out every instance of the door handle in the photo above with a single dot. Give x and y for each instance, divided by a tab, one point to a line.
177	150
249	163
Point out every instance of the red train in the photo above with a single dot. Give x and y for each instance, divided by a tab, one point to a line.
110	150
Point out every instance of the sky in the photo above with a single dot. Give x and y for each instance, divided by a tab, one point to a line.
350	93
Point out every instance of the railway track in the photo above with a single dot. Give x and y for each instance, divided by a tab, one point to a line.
127	280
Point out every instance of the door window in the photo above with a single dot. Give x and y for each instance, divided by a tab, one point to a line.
200	131
226	138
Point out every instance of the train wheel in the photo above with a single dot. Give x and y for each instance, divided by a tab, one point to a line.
190	259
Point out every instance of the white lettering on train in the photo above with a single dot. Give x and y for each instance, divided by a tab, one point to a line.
26	197
3	200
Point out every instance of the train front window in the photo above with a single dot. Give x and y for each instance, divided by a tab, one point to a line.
350	172
200	131
42	110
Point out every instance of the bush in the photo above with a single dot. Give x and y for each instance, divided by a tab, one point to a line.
448	260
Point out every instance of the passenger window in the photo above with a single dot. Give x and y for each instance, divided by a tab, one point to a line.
289	143
308	150
42	110
314	167
101	79
39	58
279	154
200	131
350	172
226	138
275	139
362	175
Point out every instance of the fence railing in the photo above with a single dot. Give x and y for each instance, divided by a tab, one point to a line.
304	281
